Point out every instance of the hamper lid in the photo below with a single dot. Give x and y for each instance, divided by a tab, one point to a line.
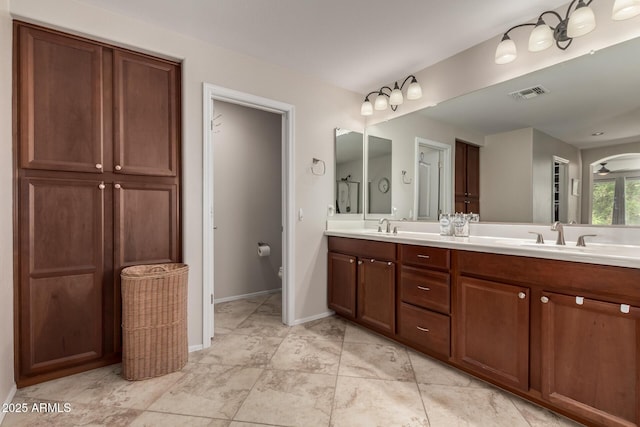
150	270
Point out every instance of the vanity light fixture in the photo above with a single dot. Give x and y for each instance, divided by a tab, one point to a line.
575	24
603	170
395	97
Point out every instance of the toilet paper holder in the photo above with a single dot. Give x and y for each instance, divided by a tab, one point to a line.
264	249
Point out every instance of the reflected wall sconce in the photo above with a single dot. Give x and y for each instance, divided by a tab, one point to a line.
575	24
414	91
603	170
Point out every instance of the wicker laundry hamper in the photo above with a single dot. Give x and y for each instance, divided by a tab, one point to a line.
154	320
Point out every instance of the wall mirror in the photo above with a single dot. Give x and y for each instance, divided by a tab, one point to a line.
379	185
349	172
541	137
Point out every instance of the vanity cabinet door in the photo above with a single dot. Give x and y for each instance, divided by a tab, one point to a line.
590	358
342	284
492	330
376	294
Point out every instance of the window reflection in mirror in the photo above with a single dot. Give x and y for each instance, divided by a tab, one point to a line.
349	171
616	190
378	175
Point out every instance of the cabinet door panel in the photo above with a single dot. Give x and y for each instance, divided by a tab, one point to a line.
61	271
376	294
60	102
473	171
145	224
492	329
342	284
146	130
591	362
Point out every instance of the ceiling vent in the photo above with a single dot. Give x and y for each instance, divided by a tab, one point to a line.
528	93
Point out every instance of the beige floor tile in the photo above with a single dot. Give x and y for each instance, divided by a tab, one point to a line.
369	402
77	415
209	391
65	389
243	424
264	325
432	371
113	390
387	362
289	399
228	315
307	355
464	406
538	416
328	328
242	350
159	419
272	306
355	333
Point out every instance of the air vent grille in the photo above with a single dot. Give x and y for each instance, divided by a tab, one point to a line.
528	93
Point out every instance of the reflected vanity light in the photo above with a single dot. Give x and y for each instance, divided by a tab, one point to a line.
394	97
575	24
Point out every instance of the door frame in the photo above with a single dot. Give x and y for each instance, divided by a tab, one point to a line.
212	93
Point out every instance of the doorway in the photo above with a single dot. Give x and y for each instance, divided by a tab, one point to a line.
211	95
433	179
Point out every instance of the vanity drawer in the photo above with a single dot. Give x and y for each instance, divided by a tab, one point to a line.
426	288
363	248
425	329
424	256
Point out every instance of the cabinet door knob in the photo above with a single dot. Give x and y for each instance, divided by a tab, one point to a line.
118	186
424	288
389	263
422	329
101	186
359	262
522	295
98	165
350	261
544	300
373	260
118	168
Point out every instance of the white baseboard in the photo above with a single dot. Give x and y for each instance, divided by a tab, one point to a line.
9	399
255	294
312	318
196	347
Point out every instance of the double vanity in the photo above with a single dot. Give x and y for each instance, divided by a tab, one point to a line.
556	324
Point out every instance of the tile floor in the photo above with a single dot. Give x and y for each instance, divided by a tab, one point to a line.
259	372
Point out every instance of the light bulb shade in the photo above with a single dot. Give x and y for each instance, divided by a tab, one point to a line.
396	97
381	102
506	51
366	109
625	9
541	38
582	21
414	91
603	170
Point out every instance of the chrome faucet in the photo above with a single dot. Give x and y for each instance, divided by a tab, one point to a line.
382	220
557	226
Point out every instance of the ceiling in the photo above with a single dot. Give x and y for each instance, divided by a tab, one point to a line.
358	45
589	94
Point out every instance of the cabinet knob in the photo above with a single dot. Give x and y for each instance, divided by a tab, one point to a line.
359	262
118	186
118	168
544	300
98	165
350	261
101	186
389	263
522	295
372	260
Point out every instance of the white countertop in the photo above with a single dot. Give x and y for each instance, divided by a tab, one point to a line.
594	253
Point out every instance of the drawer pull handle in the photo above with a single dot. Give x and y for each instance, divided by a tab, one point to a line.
422	288
422	329
423	256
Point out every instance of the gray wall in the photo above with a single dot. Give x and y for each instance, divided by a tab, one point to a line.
247	200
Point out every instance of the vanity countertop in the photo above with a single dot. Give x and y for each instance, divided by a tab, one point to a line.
594	253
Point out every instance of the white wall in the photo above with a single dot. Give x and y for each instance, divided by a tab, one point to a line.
247	205
544	148
6	213
319	108
591	156
506	187
378	168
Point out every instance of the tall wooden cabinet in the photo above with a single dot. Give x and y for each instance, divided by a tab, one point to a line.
467	178
97	189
